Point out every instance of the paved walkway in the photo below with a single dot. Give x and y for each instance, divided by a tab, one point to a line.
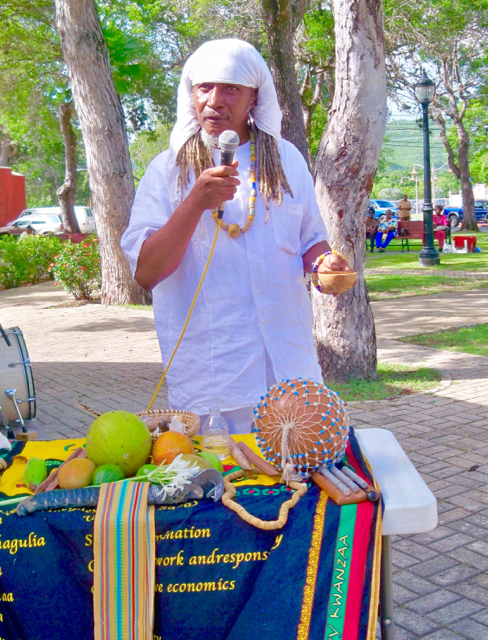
109	358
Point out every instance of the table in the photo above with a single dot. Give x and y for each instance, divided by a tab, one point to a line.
56	548
410	506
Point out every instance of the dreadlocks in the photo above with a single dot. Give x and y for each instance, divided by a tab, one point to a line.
271	176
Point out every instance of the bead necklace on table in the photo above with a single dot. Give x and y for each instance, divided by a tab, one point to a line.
234	230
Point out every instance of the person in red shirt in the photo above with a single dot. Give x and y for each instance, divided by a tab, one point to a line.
440	225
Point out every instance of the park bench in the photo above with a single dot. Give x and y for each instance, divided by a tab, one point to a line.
414	230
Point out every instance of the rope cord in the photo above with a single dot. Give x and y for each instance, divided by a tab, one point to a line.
163	377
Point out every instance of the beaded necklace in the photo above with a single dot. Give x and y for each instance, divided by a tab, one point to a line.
234	230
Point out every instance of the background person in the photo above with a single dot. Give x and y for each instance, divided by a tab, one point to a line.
440	223
405	208
371	228
387	230
252	324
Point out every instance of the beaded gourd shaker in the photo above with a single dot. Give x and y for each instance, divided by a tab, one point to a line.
300	425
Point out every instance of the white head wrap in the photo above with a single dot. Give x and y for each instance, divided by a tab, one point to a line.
229	62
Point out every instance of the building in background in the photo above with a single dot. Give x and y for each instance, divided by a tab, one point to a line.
12	195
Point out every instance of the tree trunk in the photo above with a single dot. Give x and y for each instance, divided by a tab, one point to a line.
67	191
345	169
469	214
5	146
102	125
281	19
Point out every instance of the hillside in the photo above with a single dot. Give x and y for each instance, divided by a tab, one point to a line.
404	146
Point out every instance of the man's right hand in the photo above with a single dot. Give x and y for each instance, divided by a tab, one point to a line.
214	186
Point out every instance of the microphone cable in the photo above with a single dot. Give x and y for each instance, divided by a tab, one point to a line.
163	377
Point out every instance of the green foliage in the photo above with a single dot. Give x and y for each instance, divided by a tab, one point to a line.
446	182
27	259
146	146
77	268
319	122
391	193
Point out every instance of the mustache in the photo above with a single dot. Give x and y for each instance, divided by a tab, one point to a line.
214	115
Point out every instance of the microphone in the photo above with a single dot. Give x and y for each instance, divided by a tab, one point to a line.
228	143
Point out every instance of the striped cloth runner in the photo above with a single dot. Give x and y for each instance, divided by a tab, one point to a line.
124	563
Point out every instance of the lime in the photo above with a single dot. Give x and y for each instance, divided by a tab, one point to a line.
213	458
107	473
145	469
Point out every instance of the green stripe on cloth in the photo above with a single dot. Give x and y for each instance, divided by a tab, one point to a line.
124	563
336	612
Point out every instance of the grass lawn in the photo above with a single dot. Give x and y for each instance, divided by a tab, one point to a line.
393	380
465	339
449	261
386	287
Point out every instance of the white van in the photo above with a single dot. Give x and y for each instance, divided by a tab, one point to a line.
84	215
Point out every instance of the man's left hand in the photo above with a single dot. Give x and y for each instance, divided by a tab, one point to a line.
334	262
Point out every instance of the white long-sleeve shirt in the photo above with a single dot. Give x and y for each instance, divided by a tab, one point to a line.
253	301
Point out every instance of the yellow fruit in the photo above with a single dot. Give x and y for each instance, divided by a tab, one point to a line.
201	462
76	473
169	445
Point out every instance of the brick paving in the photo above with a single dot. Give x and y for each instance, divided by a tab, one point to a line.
109	358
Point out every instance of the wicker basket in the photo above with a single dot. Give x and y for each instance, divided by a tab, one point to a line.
189	419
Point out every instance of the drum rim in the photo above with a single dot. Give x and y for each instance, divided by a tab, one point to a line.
29	378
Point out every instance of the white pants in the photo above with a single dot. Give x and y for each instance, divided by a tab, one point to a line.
240	420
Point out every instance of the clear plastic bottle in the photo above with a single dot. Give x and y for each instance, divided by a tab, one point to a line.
215	433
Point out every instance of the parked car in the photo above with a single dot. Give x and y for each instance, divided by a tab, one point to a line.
380	207
84	215
455	214
42	225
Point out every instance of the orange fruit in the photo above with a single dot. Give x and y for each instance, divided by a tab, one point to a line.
169	445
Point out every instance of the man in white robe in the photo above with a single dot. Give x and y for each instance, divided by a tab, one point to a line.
252	323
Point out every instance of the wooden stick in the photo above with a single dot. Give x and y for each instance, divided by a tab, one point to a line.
239	456
267	468
51	482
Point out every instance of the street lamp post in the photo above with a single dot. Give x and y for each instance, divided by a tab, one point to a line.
424	92
415	178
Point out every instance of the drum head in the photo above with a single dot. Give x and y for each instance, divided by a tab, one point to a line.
16	373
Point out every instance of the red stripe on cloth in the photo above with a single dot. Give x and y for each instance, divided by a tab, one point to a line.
362	532
351	460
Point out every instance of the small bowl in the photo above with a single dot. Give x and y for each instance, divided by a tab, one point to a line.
337	282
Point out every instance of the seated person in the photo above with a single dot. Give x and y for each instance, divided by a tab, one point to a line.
387	230
441	223
371	228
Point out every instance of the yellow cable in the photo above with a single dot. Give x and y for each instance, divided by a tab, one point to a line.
188	316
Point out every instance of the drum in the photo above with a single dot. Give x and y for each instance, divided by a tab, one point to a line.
17	393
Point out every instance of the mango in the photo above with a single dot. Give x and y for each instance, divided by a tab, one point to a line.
76	473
